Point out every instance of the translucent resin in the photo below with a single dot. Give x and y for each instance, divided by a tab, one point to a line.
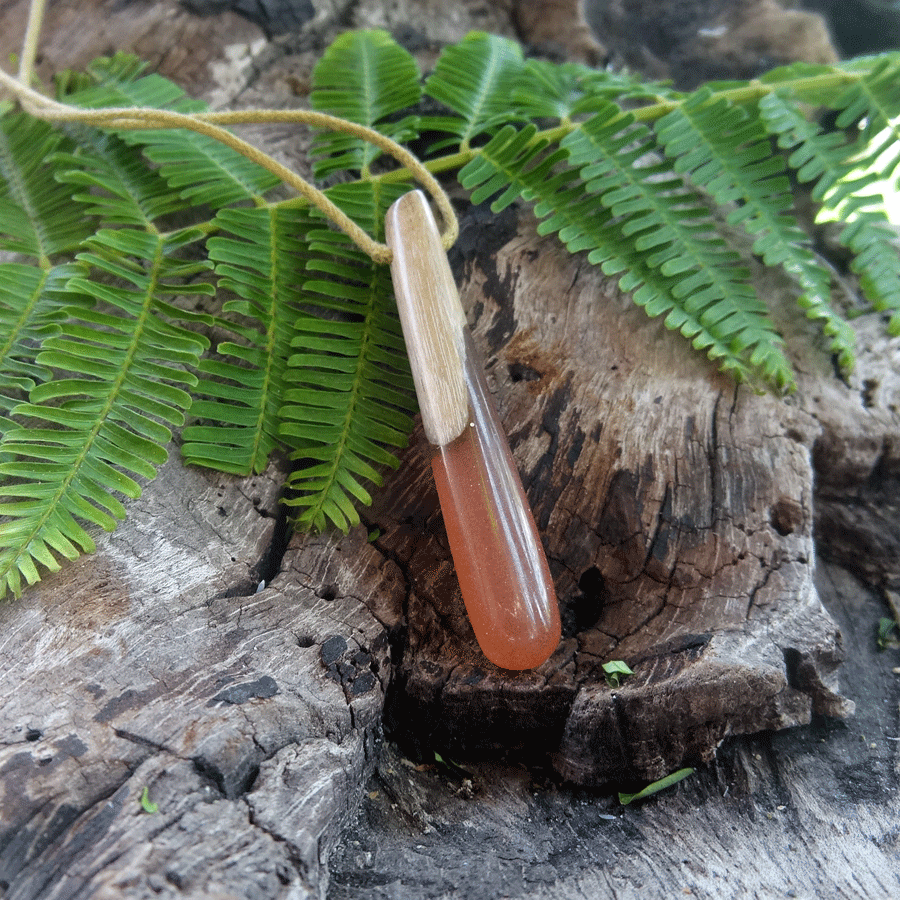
500	563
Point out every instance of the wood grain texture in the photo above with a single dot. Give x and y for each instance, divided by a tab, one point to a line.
169	39
156	663
109	669
432	317
805	812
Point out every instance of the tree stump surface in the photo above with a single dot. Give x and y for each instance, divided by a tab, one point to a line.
676	510
736	549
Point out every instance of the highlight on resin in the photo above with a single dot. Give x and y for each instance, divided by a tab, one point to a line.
500	563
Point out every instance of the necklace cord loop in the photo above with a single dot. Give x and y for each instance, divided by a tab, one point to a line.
213	124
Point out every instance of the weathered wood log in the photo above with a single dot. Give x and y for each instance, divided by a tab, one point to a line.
156	664
680	532
160	663
857	462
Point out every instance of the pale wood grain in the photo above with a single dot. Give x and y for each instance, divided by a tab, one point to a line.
432	317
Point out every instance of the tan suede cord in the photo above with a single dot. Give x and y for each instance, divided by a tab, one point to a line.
211	124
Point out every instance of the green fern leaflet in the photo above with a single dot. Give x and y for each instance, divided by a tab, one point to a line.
157	287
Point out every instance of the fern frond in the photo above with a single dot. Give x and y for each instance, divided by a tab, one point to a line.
259	256
638	221
119	81
104	421
546	90
367	78
113	184
728	153
121	365
868	235
671	226
828	159
107	71
565	91
204	170
873	100
39	218
625	88
349	390
476	79
32	305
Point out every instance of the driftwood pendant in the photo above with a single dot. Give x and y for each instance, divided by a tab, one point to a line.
499	560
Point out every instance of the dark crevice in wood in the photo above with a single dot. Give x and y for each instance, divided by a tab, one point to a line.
139	740
270	564
213	776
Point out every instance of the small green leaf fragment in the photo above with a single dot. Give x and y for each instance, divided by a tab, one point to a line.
887	633
146	804
450	766
656	786
615	671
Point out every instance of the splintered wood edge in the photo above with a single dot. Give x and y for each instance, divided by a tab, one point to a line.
432	317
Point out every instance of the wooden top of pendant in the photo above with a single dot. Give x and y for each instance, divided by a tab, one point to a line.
432	317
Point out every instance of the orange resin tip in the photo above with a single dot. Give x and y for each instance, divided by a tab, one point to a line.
500	563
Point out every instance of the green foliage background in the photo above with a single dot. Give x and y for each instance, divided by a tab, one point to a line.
119	236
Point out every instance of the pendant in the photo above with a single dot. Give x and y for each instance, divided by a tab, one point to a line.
500	563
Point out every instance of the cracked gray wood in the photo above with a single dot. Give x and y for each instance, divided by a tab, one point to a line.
156	663
680	520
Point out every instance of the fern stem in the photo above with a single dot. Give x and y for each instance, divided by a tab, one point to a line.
272	358
434	166
15	328
812	88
